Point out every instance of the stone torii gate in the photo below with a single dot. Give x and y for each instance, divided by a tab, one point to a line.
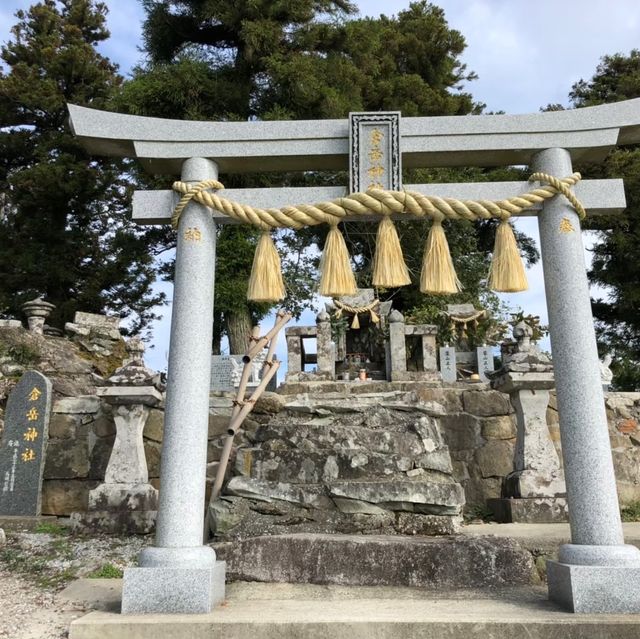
596	572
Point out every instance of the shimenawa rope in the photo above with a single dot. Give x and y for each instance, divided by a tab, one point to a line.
438	273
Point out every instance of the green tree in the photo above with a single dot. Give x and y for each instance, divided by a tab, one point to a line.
64	217
616	255
241	60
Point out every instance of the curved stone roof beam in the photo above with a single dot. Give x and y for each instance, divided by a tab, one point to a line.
481	140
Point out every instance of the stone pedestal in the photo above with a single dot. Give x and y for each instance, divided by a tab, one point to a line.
532	510
165	589
125	502
537	466
597	572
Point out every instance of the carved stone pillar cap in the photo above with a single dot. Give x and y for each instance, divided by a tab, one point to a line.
134	372
512	382
127	395
37	308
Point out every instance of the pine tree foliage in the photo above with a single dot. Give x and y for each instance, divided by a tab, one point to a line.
616	256
64	226
243	60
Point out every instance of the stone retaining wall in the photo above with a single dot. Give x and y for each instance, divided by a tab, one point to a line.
478	427
81	435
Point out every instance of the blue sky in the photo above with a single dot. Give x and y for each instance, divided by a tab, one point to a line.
526	55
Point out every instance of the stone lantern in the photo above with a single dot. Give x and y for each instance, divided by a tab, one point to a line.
37	312
126	502
535	491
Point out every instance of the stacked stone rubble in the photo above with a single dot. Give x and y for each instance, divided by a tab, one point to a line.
375	463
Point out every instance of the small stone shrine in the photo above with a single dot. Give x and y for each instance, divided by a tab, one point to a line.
23	446
352	342
465	359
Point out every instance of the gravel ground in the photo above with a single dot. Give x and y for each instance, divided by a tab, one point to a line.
29	612
35	568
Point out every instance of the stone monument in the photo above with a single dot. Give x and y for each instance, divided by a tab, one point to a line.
226	371
23	446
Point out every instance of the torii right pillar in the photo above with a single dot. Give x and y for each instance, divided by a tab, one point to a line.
597	571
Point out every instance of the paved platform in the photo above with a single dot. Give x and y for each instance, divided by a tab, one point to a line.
308	611
542	537
286	611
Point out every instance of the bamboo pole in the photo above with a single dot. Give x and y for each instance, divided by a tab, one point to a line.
249	403
237	405
242	407
281	320
233	429
226	449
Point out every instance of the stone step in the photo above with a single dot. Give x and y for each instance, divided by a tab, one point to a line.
286	611
19	523
332	432
437	498
403	434
376	560
338	404
420	495
317	466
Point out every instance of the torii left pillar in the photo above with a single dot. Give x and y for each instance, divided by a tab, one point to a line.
179	574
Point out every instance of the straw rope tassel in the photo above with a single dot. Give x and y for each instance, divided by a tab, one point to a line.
356	322
337	277
438	273
507	274
389	269
265	283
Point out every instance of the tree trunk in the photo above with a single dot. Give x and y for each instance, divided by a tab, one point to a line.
217	333
239	327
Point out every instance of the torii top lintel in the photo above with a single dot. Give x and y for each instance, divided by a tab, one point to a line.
481	140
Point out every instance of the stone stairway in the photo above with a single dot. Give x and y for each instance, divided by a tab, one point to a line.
371	463
286	611
432	563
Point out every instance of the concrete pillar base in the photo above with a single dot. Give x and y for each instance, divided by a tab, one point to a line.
163	589
594	589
